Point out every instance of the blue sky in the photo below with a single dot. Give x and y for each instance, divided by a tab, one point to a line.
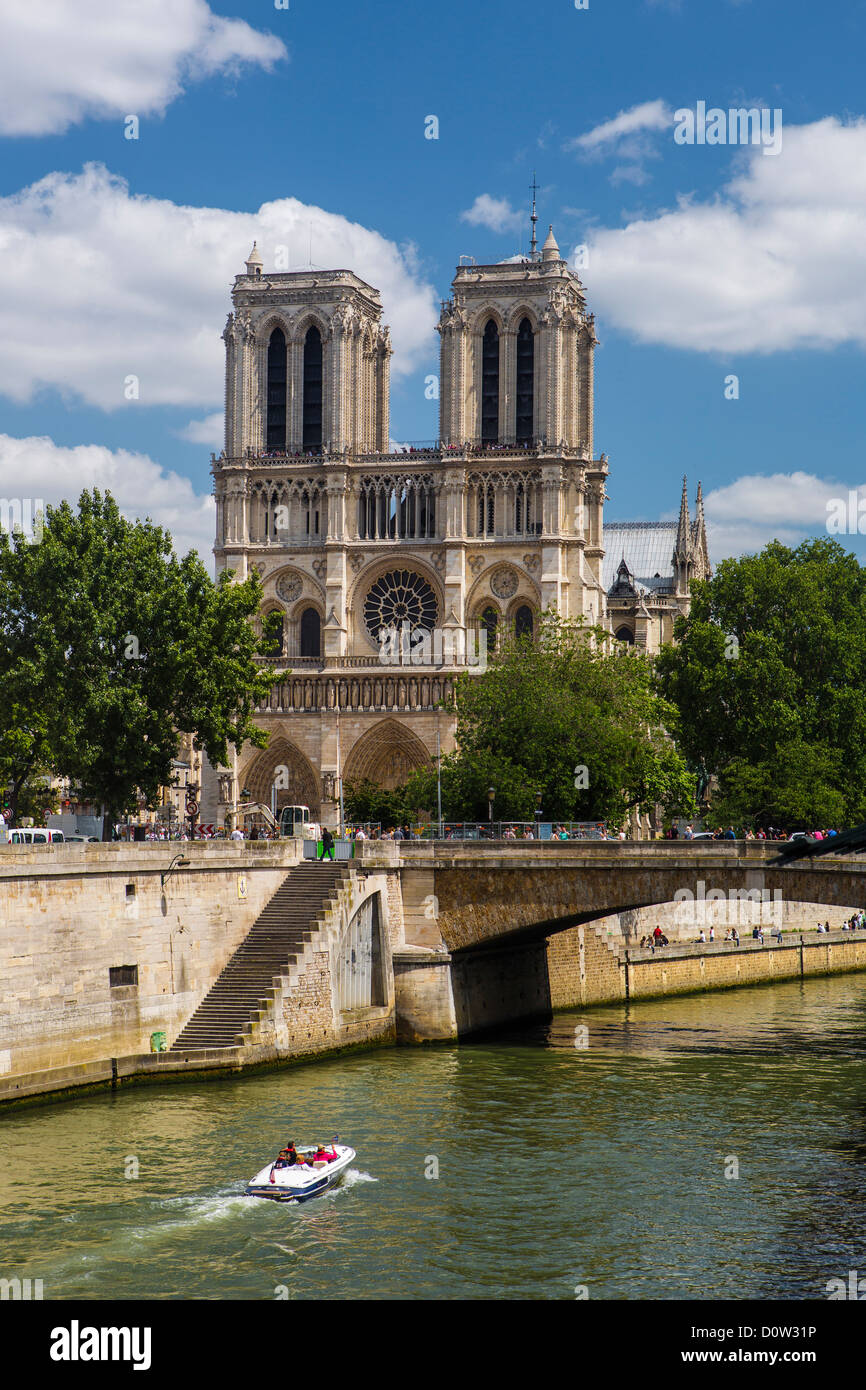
306	127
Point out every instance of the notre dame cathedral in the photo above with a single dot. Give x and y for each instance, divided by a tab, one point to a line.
465	537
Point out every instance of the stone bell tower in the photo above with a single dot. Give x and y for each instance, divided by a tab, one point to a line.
307	364
516	411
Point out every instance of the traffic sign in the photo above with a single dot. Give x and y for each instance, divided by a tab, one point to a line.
191	807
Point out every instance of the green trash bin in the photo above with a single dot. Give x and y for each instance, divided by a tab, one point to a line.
158	1042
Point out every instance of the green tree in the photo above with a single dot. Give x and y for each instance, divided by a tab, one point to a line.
571	716
768	673
368	803
111	647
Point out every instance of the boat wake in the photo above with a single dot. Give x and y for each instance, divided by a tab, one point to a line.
195	1211
353	1176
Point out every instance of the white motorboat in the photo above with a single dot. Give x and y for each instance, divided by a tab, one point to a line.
280	1182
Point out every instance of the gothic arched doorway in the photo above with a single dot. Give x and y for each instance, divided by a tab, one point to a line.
385	755
283	766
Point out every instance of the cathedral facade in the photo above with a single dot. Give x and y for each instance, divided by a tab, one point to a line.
357	539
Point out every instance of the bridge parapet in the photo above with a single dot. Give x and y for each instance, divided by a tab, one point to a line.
513	853
466	894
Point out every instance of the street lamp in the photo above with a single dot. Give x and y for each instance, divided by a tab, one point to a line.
178	862
538	810
491	792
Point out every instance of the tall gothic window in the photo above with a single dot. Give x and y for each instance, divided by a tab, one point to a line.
490	385
311	633
276	629
523	624
276	422
525	379
313	391
489	624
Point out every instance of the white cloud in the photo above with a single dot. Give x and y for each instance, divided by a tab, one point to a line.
495	213
748	513
648	116
630	137
97	285
63	63
776	261
210	431
141	488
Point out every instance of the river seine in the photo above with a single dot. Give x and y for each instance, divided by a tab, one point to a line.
704	1147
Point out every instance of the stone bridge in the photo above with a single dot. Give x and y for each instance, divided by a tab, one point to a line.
501	931
467	895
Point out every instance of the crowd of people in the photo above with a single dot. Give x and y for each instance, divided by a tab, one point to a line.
707	936
771	833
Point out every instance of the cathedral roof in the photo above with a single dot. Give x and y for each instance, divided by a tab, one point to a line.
647	548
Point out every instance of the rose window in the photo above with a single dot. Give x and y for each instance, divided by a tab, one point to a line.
400	597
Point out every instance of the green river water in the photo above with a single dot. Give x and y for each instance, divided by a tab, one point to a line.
559	1166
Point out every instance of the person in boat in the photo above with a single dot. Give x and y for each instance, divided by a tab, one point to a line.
288	1157
323	1155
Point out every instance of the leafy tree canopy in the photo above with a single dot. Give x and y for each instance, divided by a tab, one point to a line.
111	647
569	715
768	674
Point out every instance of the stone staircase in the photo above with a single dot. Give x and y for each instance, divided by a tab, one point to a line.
247	986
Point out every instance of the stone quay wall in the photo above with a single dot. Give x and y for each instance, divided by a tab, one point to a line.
593	971
71	913
475	937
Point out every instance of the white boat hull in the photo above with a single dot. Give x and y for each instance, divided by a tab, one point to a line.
300	1183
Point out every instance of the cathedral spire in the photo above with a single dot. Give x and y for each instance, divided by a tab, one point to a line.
684	538
533	217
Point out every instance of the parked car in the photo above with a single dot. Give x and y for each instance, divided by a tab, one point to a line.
32	835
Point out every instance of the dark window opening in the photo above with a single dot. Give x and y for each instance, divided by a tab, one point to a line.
119	975
490	385
525	379
489	623
130	890
313	384
275	630
276	404
311	633
625	634
523	622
